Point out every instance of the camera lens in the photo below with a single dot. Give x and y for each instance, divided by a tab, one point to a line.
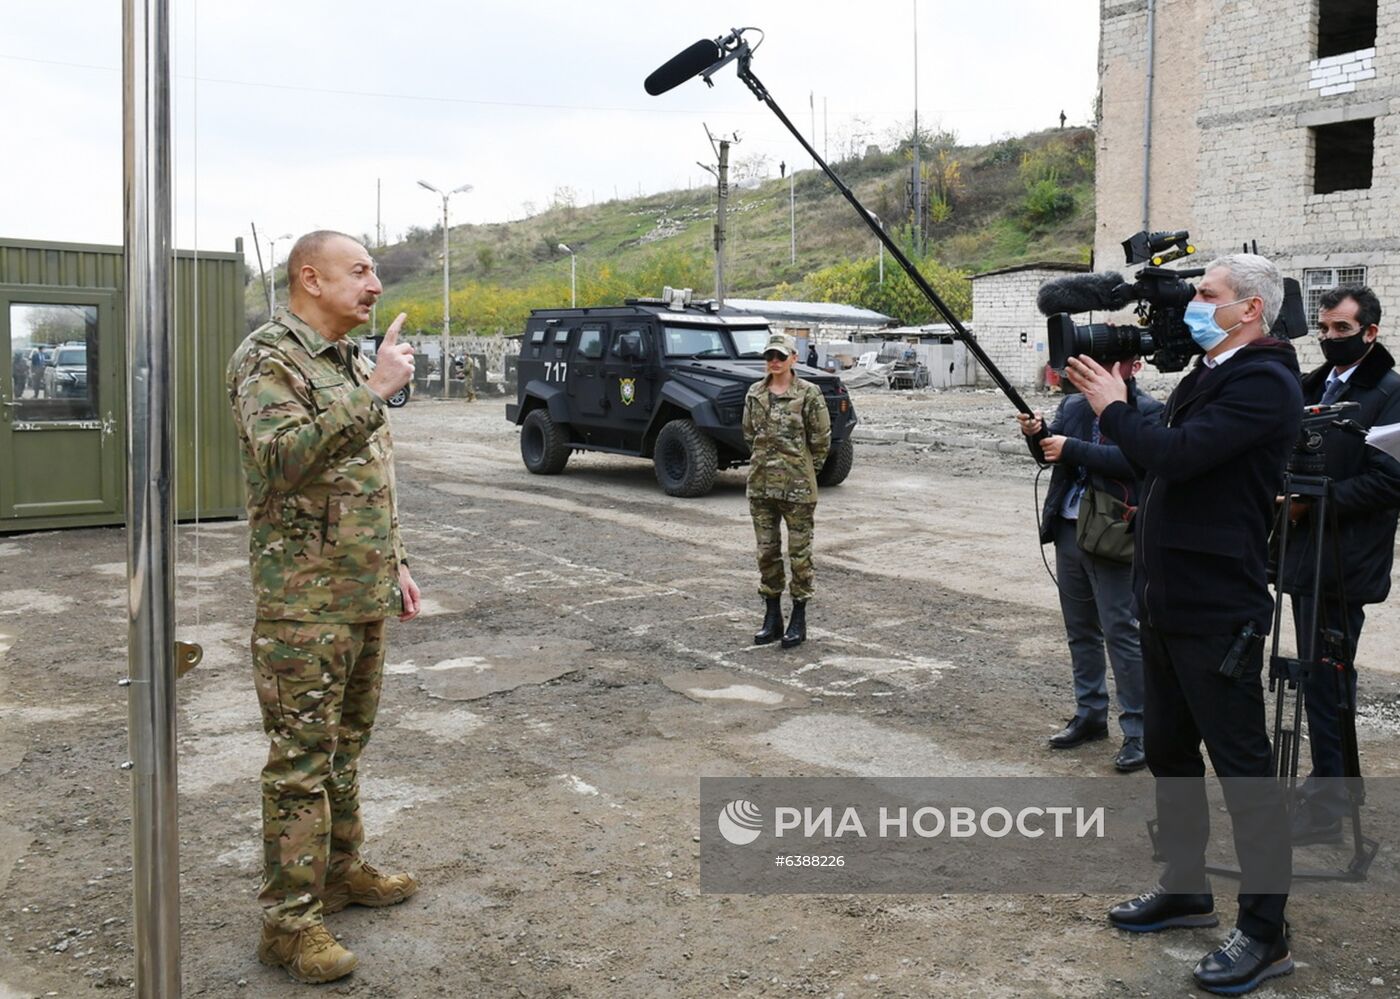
1101	341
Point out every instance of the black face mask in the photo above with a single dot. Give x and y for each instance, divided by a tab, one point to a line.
1345	352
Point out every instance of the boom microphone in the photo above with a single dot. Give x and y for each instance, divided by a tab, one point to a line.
683	66
1106	292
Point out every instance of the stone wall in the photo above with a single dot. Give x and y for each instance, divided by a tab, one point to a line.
494	347
1003	312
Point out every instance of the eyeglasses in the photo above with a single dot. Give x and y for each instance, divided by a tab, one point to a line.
773	355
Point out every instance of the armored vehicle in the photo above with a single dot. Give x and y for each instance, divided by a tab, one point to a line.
659	378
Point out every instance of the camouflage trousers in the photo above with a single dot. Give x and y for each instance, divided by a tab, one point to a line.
767	515
318	686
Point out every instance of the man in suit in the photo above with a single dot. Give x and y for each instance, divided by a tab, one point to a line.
1096	594
1366	501
1212	472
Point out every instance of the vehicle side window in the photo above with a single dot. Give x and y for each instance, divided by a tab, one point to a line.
590	344
630	345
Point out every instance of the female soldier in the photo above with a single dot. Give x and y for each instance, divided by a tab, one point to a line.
789	432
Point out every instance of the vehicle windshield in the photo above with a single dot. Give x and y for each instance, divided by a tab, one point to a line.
72	358
750	343
682	341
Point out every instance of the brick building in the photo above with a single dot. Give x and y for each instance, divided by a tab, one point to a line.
1269	121
1009	327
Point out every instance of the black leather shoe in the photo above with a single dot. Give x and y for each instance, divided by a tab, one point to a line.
1159	910
1310	826
1078	732
1130	757
1241	963
796	632
772	628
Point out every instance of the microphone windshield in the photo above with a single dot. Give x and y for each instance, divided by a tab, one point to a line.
1083	293
679	68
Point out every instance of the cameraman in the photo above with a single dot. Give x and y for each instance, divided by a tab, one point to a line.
1366	500
1212	472
1096	594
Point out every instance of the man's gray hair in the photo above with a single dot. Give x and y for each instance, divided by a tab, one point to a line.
1252	275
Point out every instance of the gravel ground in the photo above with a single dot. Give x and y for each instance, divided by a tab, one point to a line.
544	726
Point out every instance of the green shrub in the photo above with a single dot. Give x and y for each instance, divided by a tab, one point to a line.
1046	201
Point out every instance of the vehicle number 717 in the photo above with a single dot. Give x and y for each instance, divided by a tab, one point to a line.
555	371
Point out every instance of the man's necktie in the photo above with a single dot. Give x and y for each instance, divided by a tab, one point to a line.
1334	389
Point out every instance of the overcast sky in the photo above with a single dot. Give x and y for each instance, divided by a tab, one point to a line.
286	114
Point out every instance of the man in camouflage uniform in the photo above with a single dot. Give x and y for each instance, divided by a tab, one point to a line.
789	432
328	567
469	376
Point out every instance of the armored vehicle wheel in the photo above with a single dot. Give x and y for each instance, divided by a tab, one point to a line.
685	459
544	447
838	464
399	398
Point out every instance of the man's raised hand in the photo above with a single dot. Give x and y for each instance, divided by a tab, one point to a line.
1100	386
393	364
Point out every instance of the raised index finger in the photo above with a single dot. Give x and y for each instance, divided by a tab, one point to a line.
391	335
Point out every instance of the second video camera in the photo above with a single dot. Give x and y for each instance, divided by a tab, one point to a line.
1161	295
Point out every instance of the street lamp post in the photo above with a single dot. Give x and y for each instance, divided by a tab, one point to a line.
573	276
272	272
446	298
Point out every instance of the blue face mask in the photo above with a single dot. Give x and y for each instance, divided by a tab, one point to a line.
1200	320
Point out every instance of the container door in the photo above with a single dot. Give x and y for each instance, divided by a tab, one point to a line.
61	435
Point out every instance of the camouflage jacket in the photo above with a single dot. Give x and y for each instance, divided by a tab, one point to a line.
789	435
319	474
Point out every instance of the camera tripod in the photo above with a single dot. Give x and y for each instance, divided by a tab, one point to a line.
1286	675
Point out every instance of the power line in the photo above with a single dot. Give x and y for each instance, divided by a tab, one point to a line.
432	98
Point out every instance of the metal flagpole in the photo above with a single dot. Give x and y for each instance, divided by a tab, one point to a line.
149	500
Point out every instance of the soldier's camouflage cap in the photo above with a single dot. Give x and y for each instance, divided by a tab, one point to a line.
782	343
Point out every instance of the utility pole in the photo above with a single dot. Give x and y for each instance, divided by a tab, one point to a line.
826	134
918	170
378	245
721	175
719	220
272	271
812	108
792	213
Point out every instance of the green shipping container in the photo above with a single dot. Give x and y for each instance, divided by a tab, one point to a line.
63	404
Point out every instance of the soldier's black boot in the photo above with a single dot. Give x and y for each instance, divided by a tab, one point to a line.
772	622
797	625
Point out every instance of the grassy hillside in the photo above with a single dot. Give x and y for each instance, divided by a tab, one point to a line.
1008	202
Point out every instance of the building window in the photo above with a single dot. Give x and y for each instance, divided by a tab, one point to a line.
1342	156
1345	26
1319	280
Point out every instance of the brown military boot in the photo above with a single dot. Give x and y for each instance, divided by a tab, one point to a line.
361	884
311	955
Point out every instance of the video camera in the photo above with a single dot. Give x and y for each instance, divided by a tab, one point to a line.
1162	294
1309	457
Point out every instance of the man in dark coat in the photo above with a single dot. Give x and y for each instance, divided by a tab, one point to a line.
1212	472
1096	594
1366	500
